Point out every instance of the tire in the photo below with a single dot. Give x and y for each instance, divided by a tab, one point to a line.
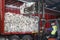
14	37
2	38
27	37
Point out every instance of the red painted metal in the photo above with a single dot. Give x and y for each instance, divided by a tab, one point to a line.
8	33
2	15
52	39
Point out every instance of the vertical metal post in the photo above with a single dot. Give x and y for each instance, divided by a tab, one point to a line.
42	19
43	9
37	8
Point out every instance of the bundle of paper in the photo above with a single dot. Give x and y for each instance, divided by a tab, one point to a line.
20	23
28	8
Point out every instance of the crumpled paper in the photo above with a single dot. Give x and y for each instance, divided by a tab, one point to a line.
28	8
20	23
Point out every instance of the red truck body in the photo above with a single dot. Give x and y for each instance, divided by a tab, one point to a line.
4	9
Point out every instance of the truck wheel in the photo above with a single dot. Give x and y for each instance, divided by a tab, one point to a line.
27	37
14	37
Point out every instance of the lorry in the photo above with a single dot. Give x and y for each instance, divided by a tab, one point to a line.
18	21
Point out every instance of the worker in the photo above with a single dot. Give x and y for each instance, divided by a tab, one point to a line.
54	31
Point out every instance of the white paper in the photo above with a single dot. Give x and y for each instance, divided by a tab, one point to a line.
20	23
